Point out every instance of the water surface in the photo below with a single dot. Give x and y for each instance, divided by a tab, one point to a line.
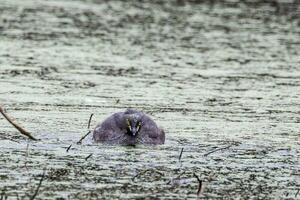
212	75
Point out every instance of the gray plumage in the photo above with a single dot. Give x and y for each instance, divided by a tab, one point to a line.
129	128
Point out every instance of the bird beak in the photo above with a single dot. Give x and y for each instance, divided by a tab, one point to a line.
134	131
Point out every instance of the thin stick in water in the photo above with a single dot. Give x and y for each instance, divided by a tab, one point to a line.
18	127
219	149
82	138
297	193
180	154
200	184
88	156
39	185
90	120
68	148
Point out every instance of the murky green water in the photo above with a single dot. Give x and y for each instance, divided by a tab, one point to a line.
210	74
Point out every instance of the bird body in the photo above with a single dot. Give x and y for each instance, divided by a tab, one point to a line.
129	128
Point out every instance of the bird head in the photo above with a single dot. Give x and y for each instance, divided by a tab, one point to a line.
133	126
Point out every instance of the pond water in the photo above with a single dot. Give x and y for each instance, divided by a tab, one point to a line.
221	78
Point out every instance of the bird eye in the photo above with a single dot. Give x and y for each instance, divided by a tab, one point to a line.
128	124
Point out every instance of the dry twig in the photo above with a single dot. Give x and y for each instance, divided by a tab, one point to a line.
180	154
89	123
18	127
82	138
68	148
200	184
219	149
88	156
90	120
39	185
